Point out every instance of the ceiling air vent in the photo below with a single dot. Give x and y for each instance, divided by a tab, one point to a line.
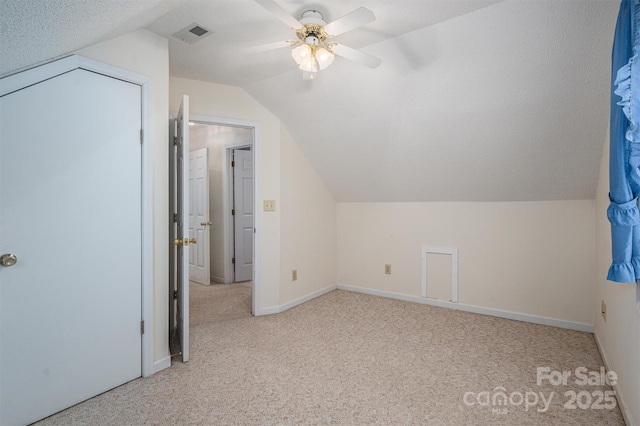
192	33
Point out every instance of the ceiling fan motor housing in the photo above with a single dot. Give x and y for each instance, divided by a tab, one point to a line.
312	31
312	17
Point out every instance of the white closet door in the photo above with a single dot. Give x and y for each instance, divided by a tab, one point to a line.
70	210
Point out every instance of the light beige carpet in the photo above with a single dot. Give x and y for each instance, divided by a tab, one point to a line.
218	302
352	359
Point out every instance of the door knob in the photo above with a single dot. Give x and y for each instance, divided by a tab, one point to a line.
184	241
205	224
8	259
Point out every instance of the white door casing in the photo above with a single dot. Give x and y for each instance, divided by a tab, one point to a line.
199	219
182	201
70	209
243	217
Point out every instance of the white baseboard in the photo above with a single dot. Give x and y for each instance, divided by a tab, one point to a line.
306	298
474	309
218	280
161	364
267	311
623	407
277	309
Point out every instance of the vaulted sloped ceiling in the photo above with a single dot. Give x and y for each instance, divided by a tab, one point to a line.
475	100
507	103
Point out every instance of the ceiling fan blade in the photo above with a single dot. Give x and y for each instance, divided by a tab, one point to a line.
269	46
356	55
350	21
280	13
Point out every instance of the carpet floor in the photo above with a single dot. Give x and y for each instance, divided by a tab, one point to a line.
352	359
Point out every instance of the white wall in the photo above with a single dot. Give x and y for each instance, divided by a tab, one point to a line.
308	214
619	336
301	233
148	54
215	138
216	100
528	257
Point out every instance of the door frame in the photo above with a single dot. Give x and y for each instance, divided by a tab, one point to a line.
257	219
228	220
49	70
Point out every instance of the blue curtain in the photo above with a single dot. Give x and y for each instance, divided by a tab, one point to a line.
624	166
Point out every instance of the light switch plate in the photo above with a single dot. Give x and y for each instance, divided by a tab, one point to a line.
269	205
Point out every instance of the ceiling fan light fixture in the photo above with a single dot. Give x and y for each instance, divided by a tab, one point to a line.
309	65
302	54
324	57
314	50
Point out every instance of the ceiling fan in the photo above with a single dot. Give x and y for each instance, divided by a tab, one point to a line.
313	49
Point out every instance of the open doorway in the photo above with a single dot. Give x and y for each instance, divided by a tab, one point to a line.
221	218
219	223
221	214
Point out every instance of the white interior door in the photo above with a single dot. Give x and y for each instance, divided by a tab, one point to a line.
173	289
199	223
243	214
70	210
182	210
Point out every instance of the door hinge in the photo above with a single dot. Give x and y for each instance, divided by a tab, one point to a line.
175	294
175	141
233	164
175	218
142	327
233	260
141	135
233	212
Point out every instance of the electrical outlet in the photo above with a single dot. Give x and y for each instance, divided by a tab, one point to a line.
269	205
387	269
294	275
603	310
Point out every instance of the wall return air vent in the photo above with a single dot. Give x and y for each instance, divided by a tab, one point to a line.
192	33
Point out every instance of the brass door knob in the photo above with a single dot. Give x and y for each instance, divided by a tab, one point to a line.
205	224
184	241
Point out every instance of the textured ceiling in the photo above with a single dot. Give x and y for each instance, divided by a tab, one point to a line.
33	31
241	24
477	100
